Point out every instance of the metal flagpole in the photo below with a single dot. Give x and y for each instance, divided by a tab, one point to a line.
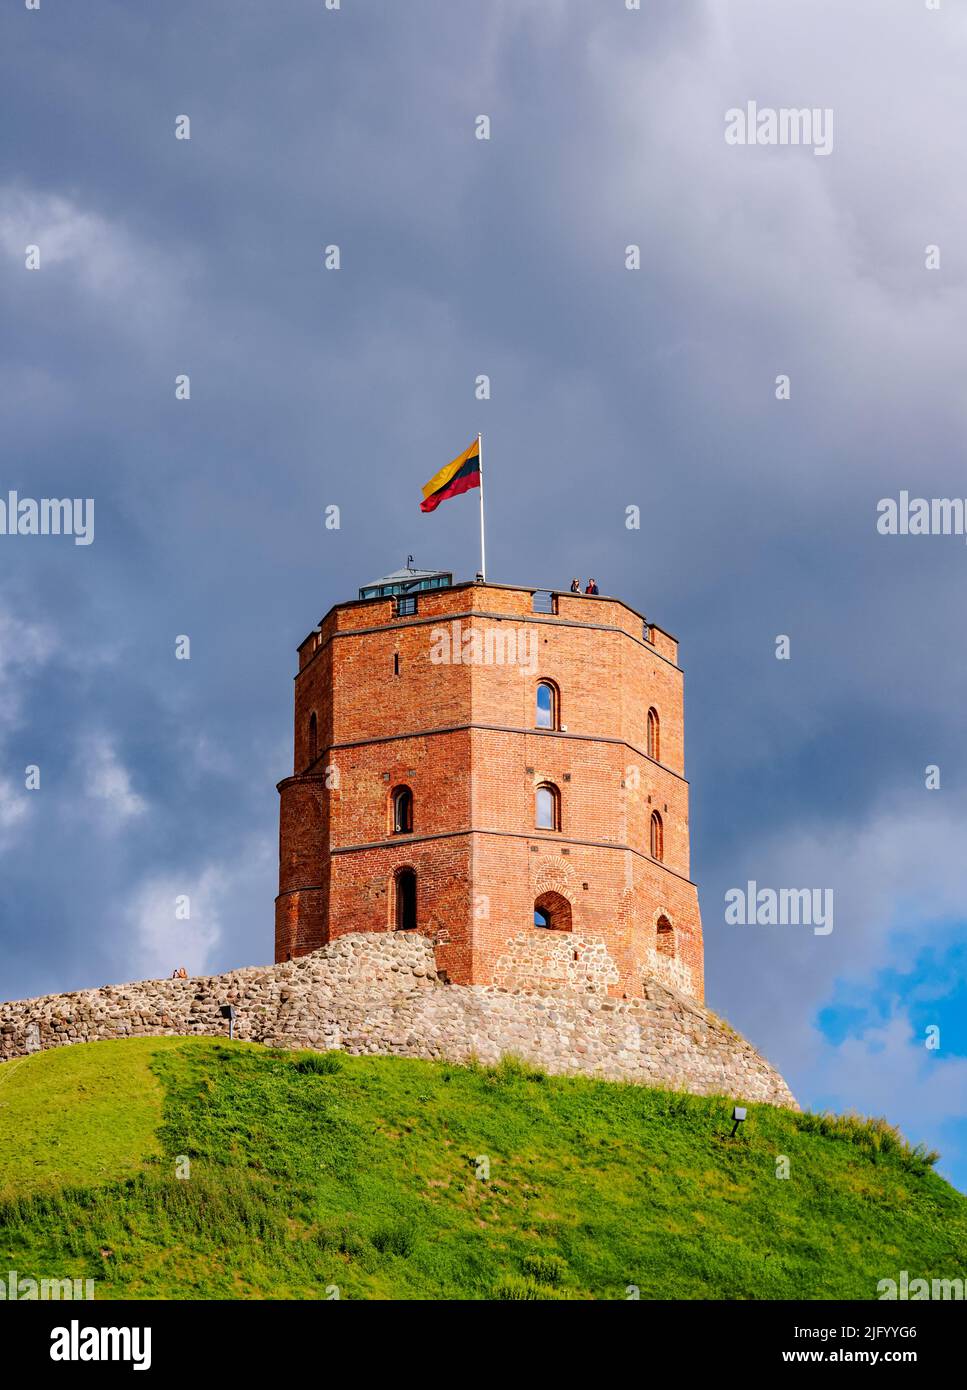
483	544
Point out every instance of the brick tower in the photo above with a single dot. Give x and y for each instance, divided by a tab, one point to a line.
502	770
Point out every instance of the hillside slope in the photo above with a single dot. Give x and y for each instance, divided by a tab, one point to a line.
309	1171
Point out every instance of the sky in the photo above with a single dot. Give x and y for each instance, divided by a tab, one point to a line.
610	387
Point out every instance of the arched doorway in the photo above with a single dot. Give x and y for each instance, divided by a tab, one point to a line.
554	911
405	900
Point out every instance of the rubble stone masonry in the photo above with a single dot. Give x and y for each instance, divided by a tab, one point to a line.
382	994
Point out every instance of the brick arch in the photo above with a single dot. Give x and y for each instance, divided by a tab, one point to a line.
677	926
667	966
554	876
665	936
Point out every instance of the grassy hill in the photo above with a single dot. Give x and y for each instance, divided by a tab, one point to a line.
308	1171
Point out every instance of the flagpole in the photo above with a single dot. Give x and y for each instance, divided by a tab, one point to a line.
483	544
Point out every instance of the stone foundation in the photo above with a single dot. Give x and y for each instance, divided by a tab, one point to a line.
555	962
381	994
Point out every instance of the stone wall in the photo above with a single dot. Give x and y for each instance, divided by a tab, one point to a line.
555	962
367	993
668	970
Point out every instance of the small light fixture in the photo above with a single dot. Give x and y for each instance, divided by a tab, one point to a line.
228	1011
738	1115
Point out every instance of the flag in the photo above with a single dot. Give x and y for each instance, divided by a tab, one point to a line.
459	476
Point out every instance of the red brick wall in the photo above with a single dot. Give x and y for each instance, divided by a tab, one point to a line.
473	761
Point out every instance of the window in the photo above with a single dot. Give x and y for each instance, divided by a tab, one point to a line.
654	735
552	910
546	712
405	900
390	587
657	837
666	937
402	811
396	663
313	737
547	808
406	606
544	601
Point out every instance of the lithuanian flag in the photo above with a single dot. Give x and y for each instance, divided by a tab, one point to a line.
459	476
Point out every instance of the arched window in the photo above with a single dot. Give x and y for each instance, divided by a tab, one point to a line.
552	910
402	811
546	715
405	900
547	807
657	837
313	737
654	735
666	937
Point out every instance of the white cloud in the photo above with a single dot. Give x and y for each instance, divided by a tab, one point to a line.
891	875
892	1069
218	894
900	885
890	1072
163	942
14	805
25	647
104	262
108	781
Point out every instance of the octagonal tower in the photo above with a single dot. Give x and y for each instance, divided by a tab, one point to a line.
502	770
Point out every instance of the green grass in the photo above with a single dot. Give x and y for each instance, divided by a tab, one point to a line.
75	1114
310	1171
